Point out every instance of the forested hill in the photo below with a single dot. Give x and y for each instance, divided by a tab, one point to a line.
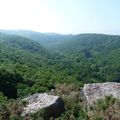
45	39
83	58
20	59
33	62
22	43
89	43
86	43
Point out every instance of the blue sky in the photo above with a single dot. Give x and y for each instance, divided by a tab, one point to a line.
61	16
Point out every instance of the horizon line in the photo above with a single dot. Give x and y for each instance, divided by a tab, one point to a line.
99	33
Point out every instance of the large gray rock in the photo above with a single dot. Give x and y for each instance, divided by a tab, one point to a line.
96	91
53	105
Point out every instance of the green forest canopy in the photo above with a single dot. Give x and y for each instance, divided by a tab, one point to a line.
31	64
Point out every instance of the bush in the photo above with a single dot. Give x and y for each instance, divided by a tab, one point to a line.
105	109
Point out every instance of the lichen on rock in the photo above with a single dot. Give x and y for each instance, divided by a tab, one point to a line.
53	105
96	91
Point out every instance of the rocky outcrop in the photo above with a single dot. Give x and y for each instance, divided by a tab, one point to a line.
96	91
53	105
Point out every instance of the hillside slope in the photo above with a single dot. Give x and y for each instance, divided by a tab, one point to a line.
90	42
86	43
18	56
45	39
21	43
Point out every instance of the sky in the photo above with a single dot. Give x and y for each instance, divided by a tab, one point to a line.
61	16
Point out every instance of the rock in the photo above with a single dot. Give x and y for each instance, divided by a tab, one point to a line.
96	91
53	105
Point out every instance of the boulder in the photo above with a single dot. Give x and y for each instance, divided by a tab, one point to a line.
53	105
96	91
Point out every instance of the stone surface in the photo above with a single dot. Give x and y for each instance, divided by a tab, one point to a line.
96	91
53	105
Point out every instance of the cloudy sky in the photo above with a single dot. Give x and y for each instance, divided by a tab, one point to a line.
61	16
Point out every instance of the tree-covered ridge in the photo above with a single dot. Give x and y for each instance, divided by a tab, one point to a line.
89	43
45	39
72	43
20	59
22	43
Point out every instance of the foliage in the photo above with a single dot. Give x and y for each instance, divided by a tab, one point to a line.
65	65
105	109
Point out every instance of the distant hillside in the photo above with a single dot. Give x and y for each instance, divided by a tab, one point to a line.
85	43
96	43
19	49
21	43
45	39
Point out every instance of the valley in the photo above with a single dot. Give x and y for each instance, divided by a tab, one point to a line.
33	62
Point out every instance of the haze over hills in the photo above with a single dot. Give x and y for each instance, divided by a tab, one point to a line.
43	38
71	43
